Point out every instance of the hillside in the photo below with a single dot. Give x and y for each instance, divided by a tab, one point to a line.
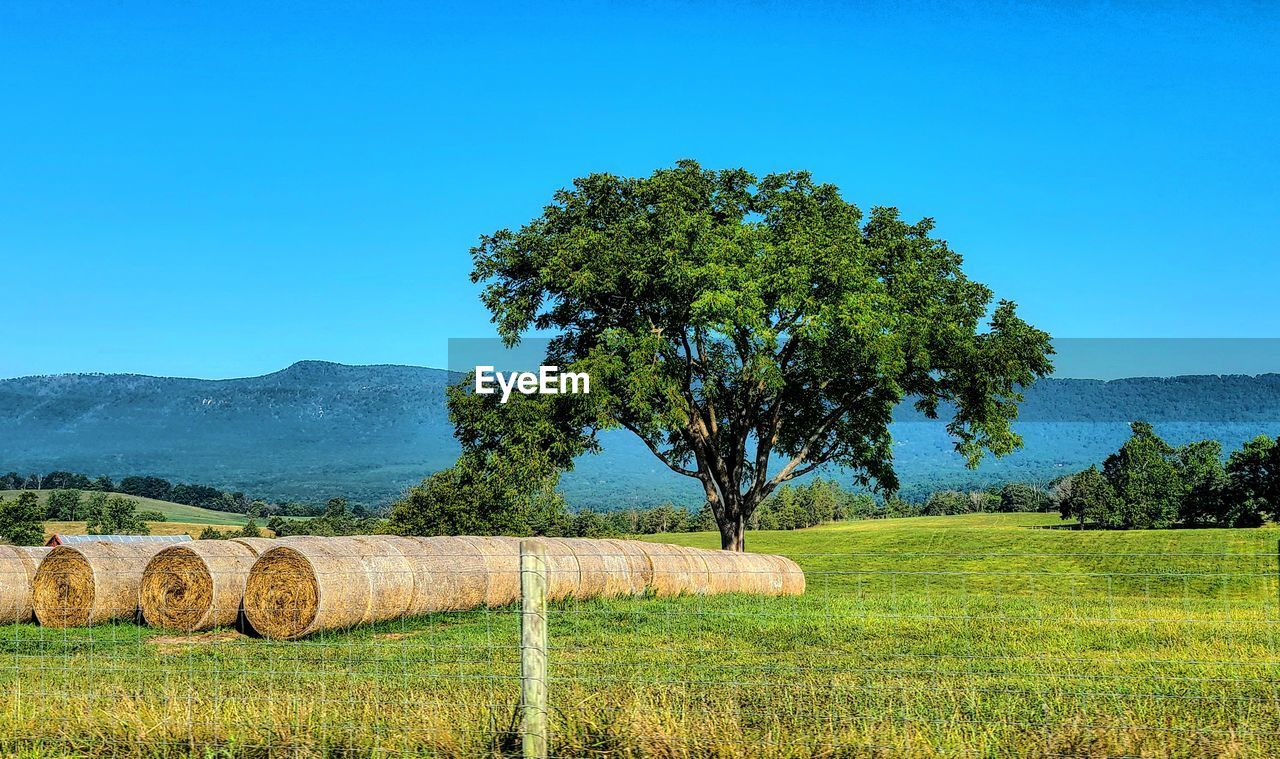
174	512
317	430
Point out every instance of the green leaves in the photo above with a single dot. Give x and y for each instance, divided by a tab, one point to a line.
114	515
20	520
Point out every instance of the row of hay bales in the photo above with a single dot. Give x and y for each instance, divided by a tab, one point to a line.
294	587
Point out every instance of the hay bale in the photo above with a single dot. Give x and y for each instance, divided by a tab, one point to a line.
676	570
89	583
454	573
305	585
258	545
754	573
766	577
18	566
501	559
198	585
564	573
793	582
434	587
639	570
391	576
727	571
603	569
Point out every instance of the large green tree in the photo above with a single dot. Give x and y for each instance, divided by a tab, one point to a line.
1253	479
1204	502
751	330
1146	481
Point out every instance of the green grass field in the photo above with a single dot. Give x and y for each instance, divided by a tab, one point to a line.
947	636
174	512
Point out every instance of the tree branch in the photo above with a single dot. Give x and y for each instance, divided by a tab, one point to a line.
654	449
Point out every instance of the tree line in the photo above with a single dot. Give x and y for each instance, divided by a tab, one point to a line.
160	489
1149	484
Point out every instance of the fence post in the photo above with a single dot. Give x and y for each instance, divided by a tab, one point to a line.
533	649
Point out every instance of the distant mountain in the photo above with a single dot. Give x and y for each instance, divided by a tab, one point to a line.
311	431
319	429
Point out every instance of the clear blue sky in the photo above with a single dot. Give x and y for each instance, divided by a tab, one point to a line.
222	190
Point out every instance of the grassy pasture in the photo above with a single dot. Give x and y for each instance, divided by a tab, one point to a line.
949	636
174	512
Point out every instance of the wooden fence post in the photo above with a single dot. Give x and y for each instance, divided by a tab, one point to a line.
533	649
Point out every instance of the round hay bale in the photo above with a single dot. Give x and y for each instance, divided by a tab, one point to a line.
699	571
675	569
756	573
198	585
603	570
501	559
18	566
391	576
564	573
433	586
306	585
455	573
33	555
727	571
764	574
89	583
639	571
793	582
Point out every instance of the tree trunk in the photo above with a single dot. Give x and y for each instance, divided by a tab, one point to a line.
733	530
733	534
731	514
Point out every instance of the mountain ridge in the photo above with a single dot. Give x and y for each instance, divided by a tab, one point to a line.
310	363
316	429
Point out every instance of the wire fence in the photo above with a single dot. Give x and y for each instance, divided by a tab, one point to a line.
923	650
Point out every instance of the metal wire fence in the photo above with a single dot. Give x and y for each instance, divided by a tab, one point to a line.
1092	649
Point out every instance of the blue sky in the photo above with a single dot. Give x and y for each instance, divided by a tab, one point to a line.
221	190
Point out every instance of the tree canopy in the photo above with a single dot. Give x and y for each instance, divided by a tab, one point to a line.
748	330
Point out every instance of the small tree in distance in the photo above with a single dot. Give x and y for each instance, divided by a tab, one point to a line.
1090	499
21	520
114	515
64	505
1019	496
